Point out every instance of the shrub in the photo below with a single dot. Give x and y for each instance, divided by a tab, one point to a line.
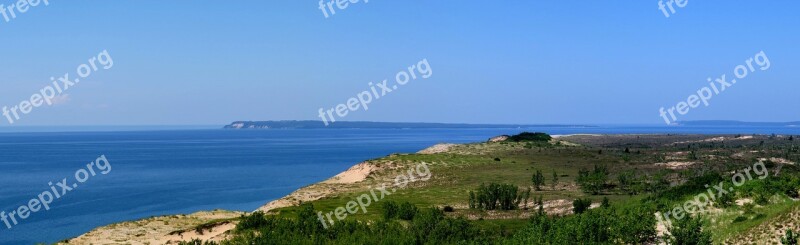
725	200
538	180
252	221
555	180
581	205
600	226
789	239
449	209
406	211
689	231
606	203
527	136
496	196
390	210
593	182
740	219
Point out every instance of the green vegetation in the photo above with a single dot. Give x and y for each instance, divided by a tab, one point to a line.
632	186
689	231
581	205
527	136
597	226
593	182
538	180
789	239
403	211
496	197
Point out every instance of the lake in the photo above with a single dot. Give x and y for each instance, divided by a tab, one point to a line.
164	172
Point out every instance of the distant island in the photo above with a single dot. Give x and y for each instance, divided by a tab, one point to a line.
310	124
383	125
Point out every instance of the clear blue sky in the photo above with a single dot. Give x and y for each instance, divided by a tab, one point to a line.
212	62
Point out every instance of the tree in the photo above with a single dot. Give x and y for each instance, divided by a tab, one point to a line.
789	239
540	203
472	201
581	205
606	203
593	182
389	210
689	231
625	180
497	196
406	211
538	180
555	179
725	200
525	197
528	136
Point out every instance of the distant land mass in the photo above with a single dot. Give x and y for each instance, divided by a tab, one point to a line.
729	123
388	125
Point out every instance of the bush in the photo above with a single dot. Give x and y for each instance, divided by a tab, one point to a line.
789	239
197	242
527	136
406	211
593	182
449	209
606	203
429	226
599	226
725	200
538	180
252	221
389	210
496	196
581	205
689	231
740	219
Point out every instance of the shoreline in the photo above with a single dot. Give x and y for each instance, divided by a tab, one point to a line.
157	233
348	180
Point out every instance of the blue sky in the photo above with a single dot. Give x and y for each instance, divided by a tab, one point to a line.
212	62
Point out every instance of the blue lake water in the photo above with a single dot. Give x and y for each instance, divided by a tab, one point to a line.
184	171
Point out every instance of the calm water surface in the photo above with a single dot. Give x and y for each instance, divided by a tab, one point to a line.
183	171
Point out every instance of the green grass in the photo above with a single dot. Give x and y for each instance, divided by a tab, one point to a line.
723	227
468	166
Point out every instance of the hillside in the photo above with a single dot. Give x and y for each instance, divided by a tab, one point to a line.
640	176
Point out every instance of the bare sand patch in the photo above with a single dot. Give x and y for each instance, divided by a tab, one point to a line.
159	230
355	174
438	148
675	165
777	160
500	138
715	139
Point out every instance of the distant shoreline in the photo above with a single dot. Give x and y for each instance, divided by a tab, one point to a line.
378	125
310	124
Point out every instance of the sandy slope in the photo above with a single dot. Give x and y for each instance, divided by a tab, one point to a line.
160	230
175	228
